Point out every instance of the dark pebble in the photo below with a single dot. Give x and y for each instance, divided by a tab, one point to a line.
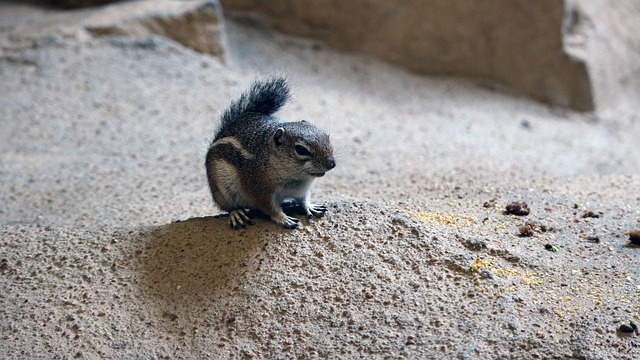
593	239
590	214
525	230
518	208
634	237
626	328
169	315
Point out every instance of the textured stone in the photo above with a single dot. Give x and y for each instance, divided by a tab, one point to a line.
605	34
194	24
197	24
517	43
69	4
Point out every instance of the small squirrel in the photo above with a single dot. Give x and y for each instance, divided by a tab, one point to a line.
257	162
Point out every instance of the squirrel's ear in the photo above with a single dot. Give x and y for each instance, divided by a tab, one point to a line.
278	137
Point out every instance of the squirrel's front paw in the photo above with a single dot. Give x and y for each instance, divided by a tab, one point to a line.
288	222
316	210
238	218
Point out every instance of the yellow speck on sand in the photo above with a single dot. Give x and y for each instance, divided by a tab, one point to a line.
479	263
445	219
532	279
506	272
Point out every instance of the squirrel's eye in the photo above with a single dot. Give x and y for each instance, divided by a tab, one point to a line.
302	151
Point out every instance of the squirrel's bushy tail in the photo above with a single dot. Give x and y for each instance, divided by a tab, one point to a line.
264	97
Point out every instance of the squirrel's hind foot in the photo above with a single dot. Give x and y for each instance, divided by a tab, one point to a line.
239	219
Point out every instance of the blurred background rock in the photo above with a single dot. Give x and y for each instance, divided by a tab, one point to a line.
584	55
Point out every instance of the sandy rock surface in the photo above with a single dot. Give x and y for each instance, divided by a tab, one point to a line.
110	246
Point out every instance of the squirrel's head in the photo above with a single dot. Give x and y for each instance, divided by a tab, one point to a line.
303	147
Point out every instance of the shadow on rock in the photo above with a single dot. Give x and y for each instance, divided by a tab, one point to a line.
199	258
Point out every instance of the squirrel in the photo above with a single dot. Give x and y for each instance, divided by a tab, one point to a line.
257	162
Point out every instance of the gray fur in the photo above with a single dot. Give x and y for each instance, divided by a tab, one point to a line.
264	97
255	161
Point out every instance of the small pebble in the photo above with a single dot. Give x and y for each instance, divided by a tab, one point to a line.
489	203
593	239
634	237
526	230
518	208
590	214
627	328
169	315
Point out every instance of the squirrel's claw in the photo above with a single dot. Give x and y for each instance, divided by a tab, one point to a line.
315	211
289	222
239	219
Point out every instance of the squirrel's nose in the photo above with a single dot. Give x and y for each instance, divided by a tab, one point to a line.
331	163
